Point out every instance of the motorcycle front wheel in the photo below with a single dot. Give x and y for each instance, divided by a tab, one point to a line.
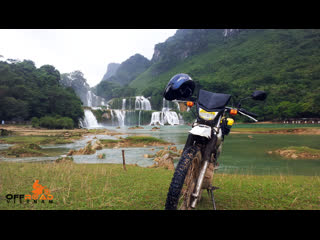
184	180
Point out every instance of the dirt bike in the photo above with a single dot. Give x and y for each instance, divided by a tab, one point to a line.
195	169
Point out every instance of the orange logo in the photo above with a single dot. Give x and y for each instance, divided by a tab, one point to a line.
39	192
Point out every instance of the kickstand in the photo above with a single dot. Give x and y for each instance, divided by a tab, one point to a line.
211	189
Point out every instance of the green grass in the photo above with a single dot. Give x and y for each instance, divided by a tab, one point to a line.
29	150
86	186
270	129
304	149
250	192
144	139
132	140
257	130
35	140
106	141
108	186
18	150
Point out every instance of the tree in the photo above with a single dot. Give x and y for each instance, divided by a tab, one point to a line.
27	91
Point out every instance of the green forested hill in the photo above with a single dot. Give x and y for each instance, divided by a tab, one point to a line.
28	92
116	85
283	62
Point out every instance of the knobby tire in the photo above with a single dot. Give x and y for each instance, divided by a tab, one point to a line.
179	177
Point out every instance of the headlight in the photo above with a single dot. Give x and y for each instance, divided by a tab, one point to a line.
208	116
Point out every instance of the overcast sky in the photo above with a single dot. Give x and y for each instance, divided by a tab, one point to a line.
87	50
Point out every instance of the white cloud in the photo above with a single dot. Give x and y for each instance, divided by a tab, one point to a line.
87	50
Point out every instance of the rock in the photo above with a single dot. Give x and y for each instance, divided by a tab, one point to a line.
183	106
173	148
70	153
161	153
165	161
148	156
97	145
67	135
106	115
102	156
136	127
64	159
87	150
155	165
33	146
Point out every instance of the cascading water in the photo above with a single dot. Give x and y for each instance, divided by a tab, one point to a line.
131	111
124	104
90	120
165	116
142	103
89	99
121	114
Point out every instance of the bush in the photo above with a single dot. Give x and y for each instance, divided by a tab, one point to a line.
65	123
56	122
35	122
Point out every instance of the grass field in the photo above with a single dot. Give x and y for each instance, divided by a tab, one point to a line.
109	187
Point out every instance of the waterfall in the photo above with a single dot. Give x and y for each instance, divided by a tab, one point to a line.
92	100
165	116
171	118
89	99
178	106
156	118
90	120
112	117
142	103
127	114
124	104
131	111
121	114
139	116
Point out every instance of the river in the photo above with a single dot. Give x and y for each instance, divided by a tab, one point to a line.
241	154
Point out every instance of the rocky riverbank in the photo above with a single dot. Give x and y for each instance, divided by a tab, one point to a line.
297	153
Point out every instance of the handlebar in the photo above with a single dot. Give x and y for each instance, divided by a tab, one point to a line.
248	113
245	113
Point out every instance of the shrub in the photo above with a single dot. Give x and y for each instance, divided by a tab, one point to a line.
56	122
35	122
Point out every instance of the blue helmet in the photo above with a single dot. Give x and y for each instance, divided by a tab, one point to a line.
180	87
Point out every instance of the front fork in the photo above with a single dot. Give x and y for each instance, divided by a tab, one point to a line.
207	158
